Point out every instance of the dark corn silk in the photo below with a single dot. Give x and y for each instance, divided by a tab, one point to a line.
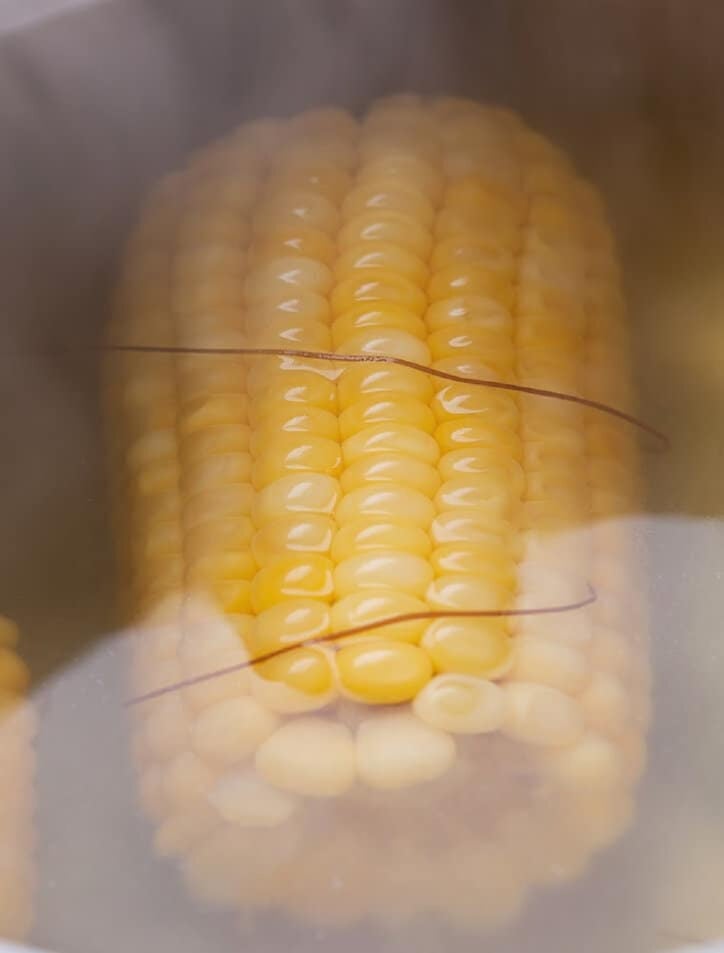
272	501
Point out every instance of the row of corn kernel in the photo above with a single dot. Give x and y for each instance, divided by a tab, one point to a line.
207	302
471	334
17	729
382	545
297	454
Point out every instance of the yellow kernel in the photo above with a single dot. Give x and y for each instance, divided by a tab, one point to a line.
397	228
231	595
465	526
292	241
373	409
304	671
293	305
285	331
291	452
479	647
453	400
297	576
386	501
468	312
309	756
361	608
461	704
491	561
301	533
461	592
291	384
540	715
369	378
408	166
292	207
363	536
388	194
301	171
231	729
381	255
296	493
391	438
377	285
473	431
288	623
383	672
378	315
466	278
484	493
399	750
475	460
387	342
292	272
470	342
286	417
391	468
388	569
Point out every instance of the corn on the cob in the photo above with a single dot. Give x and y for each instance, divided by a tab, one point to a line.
16	784
274	500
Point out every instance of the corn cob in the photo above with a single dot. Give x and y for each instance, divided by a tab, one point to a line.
16	784
274	500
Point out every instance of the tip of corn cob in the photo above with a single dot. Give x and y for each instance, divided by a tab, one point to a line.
276	501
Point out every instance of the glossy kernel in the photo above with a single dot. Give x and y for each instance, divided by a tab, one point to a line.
301	576
383	672
478	647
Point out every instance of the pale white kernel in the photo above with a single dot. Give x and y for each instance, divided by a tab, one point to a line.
461	703
310	756
398	750
231	729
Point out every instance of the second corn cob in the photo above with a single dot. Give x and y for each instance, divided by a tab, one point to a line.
17	730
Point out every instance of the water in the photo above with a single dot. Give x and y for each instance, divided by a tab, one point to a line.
98	881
